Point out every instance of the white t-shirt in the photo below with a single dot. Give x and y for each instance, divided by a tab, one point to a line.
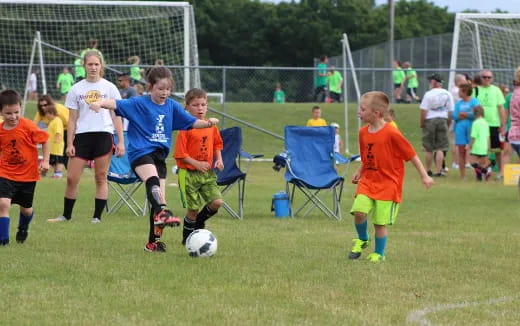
438	102
81	95
33	83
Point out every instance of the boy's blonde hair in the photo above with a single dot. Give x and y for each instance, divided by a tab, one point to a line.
376	101
478	111
315	108
195	93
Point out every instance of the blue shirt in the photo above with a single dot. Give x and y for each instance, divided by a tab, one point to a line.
151	125
462	106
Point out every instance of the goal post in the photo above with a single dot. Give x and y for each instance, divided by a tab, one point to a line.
150	30
486	41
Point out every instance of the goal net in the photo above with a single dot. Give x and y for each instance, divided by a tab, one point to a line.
486	41
48	35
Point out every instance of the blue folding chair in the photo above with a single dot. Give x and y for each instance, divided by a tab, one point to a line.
232	174
310	168
124	183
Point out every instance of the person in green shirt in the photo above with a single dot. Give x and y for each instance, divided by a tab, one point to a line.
479	144
64	82
320	82
335	85
398	76
412	83
492	100
135	70
279	94
79	71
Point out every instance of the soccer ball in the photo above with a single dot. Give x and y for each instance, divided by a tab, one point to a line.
201	243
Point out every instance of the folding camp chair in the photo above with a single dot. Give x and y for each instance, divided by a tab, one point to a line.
310	168
124	182
232	174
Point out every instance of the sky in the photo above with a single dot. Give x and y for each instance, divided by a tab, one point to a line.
512	6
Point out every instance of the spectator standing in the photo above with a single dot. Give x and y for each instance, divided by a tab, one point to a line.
436	107
398	77
279	94
64	82
316	120
335	85
32	86
320	82
411	81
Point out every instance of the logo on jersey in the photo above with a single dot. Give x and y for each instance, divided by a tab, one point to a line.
159	135
91	97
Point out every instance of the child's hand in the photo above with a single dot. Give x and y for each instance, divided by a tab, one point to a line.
203	166
219	165
120	149
96	106
427	181
214	121
356	177
44	166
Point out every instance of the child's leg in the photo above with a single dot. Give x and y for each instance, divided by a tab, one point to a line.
361	224
75	170
381	234
26	216
476	166
208	211
101	165
461	149
5	204
360	208
190	224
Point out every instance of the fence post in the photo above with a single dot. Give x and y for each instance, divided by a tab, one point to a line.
223	97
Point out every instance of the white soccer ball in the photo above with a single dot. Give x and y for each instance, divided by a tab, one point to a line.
201	243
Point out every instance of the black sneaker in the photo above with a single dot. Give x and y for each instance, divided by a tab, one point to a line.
21	235
439	175
430	174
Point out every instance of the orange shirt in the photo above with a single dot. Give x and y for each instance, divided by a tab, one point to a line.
199	144
18	152
383	154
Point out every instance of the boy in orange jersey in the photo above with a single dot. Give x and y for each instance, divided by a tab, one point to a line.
380	175
195	151
19	169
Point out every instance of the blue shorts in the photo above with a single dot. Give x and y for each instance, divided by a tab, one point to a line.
462	132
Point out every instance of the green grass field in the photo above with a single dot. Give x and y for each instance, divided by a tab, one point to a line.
452	256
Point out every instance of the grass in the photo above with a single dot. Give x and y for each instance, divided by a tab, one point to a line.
452	257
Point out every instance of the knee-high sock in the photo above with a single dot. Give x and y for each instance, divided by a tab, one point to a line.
362	230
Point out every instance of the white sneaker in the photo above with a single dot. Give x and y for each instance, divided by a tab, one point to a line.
468	166
57	219
95	220
454	166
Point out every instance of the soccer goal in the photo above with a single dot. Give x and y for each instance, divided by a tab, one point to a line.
486	41
47	35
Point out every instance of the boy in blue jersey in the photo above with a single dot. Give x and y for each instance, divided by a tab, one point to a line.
152	118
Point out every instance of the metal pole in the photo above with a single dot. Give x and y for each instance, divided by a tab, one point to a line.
31	61
391	14
345	95
42	69
224	97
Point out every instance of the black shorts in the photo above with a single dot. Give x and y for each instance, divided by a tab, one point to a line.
155	158
335	97
91	145
55	159
21	193
412	91
494	136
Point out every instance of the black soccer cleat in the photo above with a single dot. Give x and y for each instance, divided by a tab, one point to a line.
21	235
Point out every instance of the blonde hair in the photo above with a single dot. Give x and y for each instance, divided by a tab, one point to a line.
376	101
195	93
94	53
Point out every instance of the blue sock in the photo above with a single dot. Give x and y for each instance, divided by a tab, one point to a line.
4	228
23	222
380	245
362	230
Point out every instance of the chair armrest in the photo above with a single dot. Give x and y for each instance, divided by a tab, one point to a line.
340	159
249	156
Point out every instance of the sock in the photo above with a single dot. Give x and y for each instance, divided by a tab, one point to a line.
68	205
380	245
23	222
99	206
154	194
204	215
155	232
188	227
362	230
4	230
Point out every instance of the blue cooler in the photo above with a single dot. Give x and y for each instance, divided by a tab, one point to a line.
280	205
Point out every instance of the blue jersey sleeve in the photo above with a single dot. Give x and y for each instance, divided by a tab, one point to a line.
123	107
182	120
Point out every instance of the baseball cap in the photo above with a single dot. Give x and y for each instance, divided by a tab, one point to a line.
435	77
335	125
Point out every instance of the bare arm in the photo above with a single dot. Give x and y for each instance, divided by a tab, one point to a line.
118	125
357	175
503	118
199	124
219	164
109	104
427	181
201	166
71	131
46	155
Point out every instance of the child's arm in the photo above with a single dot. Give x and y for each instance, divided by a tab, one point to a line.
219	164
201	166
427	181
357	175
57	138
71	130
199	124
46	155
118	125
109	104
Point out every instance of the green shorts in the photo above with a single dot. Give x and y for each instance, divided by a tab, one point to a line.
198	188
435	135
384	212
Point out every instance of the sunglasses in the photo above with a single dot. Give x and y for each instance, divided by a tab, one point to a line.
487	77
44	104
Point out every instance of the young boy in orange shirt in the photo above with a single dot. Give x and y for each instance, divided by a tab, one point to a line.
194	153
380	176
19	169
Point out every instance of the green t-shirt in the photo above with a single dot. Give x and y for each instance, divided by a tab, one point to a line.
412	81
480	132
321	80
506	106
279	96
335	82
490	98
135	72
65	81
79	70
398	75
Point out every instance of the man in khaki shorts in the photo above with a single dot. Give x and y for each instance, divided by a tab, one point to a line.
436	107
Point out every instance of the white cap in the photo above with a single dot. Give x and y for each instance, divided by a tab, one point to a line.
335	125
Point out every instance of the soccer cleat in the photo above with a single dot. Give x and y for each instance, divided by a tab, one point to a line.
21	235
57	219
4	242
357	248
156	246
165	218
375	257
488	174
95	220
